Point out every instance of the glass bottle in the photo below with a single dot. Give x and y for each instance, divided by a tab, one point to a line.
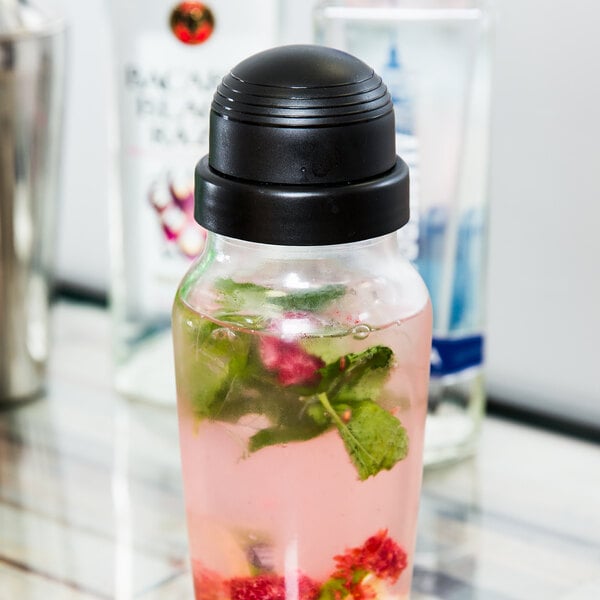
302	339
434	55
168	56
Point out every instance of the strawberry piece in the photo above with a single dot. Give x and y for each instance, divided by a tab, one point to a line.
260	587
308	589
384	556
270	587
379	555
293	365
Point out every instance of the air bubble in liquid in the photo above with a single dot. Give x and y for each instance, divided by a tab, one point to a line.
360	332
223	333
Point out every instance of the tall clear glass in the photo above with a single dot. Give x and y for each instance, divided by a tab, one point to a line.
434	57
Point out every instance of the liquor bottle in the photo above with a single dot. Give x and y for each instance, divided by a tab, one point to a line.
435	55
168	57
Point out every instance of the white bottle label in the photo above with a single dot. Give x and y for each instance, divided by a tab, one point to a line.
170	58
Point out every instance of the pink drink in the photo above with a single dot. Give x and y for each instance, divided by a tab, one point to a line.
329	515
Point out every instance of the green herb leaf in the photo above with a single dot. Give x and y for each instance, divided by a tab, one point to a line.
249	322
333	589
223	356
310	300
229	380
240	297
250	296
358	375
282	435
374	438
346	586
255	391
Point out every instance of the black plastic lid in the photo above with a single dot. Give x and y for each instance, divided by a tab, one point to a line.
302	152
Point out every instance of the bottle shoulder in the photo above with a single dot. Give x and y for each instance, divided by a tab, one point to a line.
339	288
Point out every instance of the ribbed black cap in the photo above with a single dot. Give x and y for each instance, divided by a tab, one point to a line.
302	152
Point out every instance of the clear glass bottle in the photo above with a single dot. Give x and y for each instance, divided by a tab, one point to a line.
302	340
168	56
435	56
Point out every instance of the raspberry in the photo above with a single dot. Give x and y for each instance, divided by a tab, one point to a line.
261	587
270	587
384	557
380	555
308	589
293	365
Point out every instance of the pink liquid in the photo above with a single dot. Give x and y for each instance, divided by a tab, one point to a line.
287	510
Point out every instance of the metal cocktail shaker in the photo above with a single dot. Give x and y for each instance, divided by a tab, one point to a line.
31	90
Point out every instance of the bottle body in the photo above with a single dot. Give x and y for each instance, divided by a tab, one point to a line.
165	73
436	60
302	393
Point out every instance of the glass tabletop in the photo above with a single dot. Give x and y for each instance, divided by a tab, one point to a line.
91	498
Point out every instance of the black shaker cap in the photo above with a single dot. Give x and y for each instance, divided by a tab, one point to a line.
302	152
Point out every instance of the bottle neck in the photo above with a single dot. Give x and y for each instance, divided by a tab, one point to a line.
379	284
230	248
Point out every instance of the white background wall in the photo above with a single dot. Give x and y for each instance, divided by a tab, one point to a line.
544	278
544	255
82	251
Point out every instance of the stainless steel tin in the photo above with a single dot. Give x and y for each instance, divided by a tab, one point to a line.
31	95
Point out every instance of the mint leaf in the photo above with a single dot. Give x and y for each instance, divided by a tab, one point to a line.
377	439
227	380
250	297
222	356
235	297
333	589
310	300
358	375
254	391
282	435
250	322
318	414
374	438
